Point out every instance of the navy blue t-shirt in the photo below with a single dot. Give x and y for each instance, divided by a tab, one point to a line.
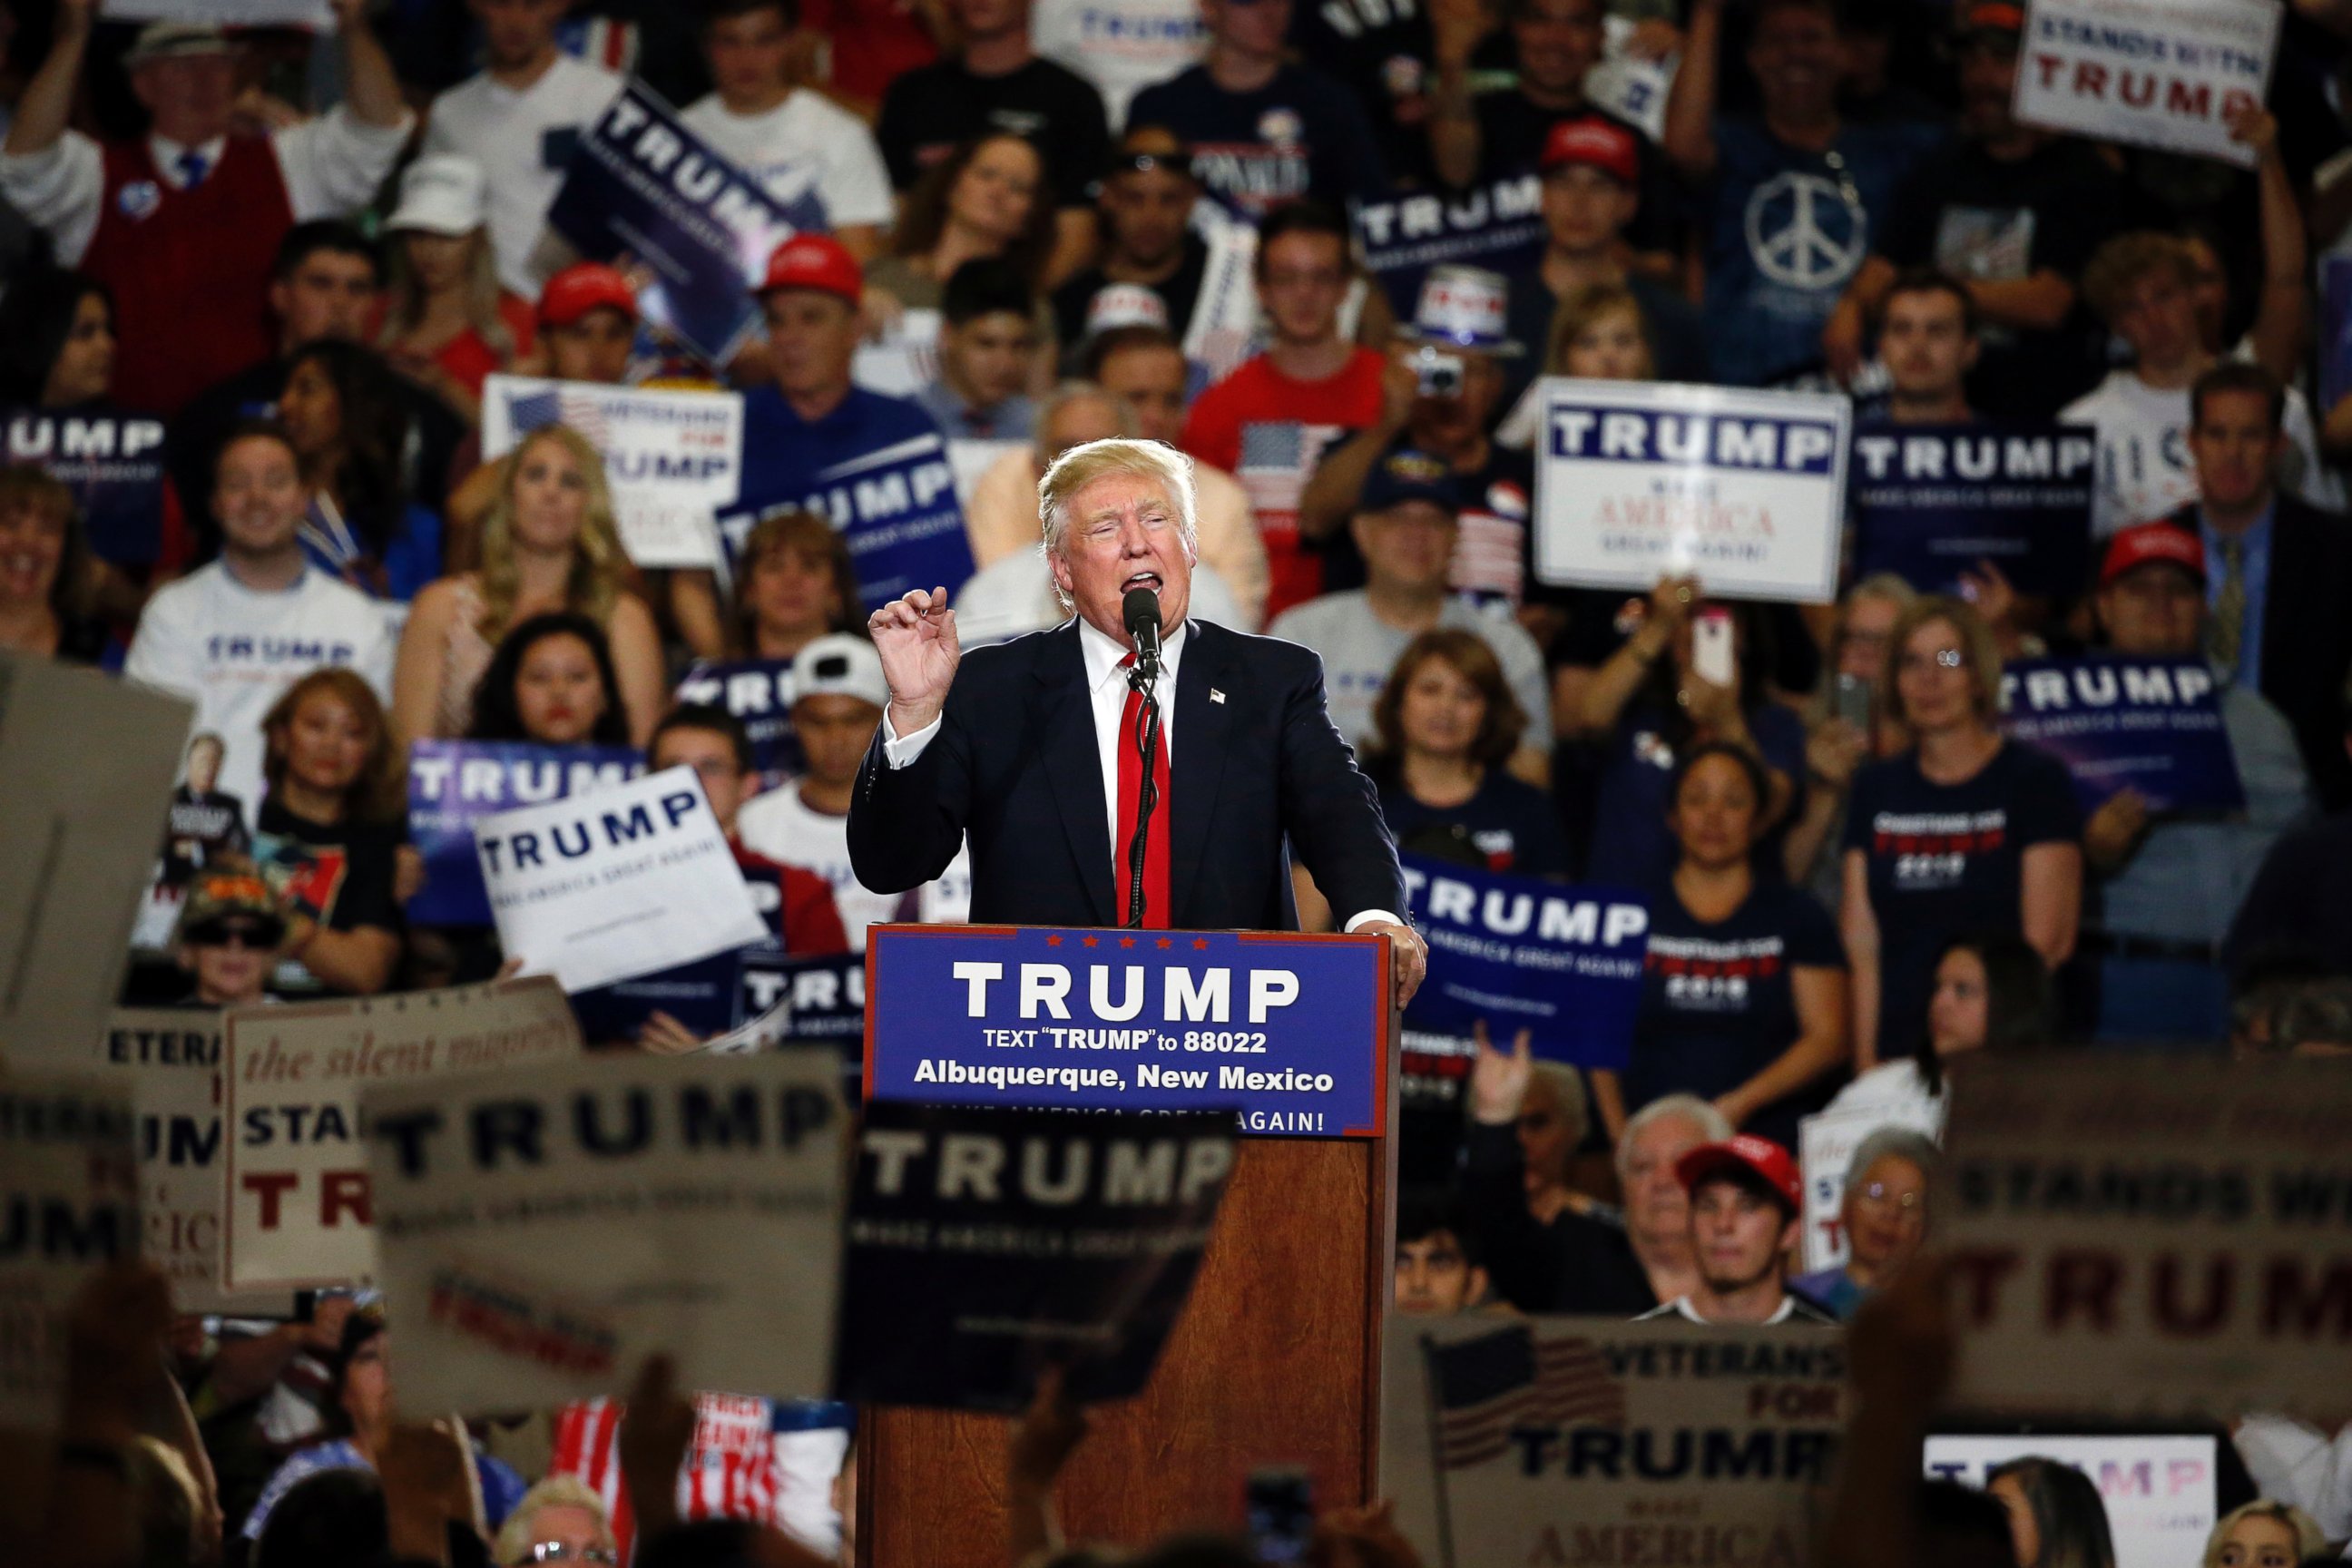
1947	861
877	467
1718	1004
1508	822
1786	231
1302	135
1632	845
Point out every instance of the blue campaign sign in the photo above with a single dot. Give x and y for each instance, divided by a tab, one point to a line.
895	506
759	692
113	463
1562	963
1497	225
1291	1032
452	784
1933	502
823	998
2151	724
641	185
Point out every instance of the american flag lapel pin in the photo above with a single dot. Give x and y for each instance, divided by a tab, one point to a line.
1215	695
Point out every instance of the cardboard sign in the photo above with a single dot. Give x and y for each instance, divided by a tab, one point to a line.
904	358
2161	1494
641	183
635	879
68	1206
452	784
86	770
1826	1142
1639	480
299	1212
1585	1440
1291	1032
986	1245
703	1194
2149	73
2153	724
2146	1244
1931	503
671	458
759	691
1519	953
113	463
1497	225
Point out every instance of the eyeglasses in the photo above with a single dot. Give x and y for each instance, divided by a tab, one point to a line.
1878	1194
564	1551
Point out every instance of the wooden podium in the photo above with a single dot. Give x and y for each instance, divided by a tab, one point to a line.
1275	1361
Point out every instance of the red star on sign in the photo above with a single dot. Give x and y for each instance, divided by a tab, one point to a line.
1090	941
1201	944
1053	941
1127	941
1168	941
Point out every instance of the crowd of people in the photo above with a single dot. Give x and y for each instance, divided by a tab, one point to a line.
256	286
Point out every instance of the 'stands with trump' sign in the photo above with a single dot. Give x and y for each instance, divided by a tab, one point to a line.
1515	952
705	1193
1744	490
1589	1441
68	1206
986	1245
1932	502
2170	73
673	459
299	1210
452	784
631	881
2151	724
2145	1243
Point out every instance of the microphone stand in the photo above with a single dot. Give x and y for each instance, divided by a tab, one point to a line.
1144	680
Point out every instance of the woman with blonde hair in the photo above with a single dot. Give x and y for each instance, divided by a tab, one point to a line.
2265	1534
450	323
332	831
549	543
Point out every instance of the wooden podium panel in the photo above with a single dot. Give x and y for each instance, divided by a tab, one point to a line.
1277	1361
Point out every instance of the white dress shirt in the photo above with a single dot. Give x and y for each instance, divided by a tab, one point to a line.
1106	692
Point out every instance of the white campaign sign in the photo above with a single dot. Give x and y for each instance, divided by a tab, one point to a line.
1825	1146
1639	480
300	1211
629	882
68	1206
2150	73
311	14
2161	1493
545	1228
1592	1441
905	357
672	458
2150	1244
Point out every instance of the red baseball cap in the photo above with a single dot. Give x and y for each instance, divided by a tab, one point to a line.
1989	16
815	261
1595	143
1759	1157
2143	542
578	289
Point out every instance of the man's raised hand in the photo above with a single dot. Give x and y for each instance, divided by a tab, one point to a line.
916	637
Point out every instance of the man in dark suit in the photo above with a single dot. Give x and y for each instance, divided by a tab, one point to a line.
2279	589
1024	751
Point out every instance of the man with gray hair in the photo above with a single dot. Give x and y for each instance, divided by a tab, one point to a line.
1035	751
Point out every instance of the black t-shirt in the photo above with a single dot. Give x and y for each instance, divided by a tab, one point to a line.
2296	906
1513	128
342	872
1302	135
1579	1263
1947	861
929	113
1976	217
1508	823
1719	1004
1178	291
1379	51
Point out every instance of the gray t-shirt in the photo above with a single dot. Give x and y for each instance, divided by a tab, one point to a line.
1359	649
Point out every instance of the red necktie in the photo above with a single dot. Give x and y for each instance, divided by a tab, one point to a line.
1131	793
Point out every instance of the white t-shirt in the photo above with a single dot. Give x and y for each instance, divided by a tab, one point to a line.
1121	45
2144	468
778	825
235	651
803	141
522	140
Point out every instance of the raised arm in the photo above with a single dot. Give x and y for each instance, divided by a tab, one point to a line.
1689	138
48	101
905	821
371	87
2283	317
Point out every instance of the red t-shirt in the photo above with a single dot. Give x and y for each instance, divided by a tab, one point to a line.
1269	431
468	359
873	41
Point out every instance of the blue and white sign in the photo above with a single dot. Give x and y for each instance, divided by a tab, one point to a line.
897	509
1639	480
672	459
113	462
759	692
1514	952
1497	225
643	184
1933	502
1291	1032
452	784
2149	724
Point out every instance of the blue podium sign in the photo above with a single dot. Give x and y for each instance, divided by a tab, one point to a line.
1288	1032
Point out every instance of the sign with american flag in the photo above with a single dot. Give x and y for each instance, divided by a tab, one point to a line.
1575	1441
672	459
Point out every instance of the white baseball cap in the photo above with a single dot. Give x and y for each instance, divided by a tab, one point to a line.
840	664
442	192
175	41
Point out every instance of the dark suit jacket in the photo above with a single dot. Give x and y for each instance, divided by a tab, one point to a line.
2306	633
1017	765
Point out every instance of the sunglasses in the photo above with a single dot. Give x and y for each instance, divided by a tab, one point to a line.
256	938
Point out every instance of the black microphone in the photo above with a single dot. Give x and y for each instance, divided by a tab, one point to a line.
1141	609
